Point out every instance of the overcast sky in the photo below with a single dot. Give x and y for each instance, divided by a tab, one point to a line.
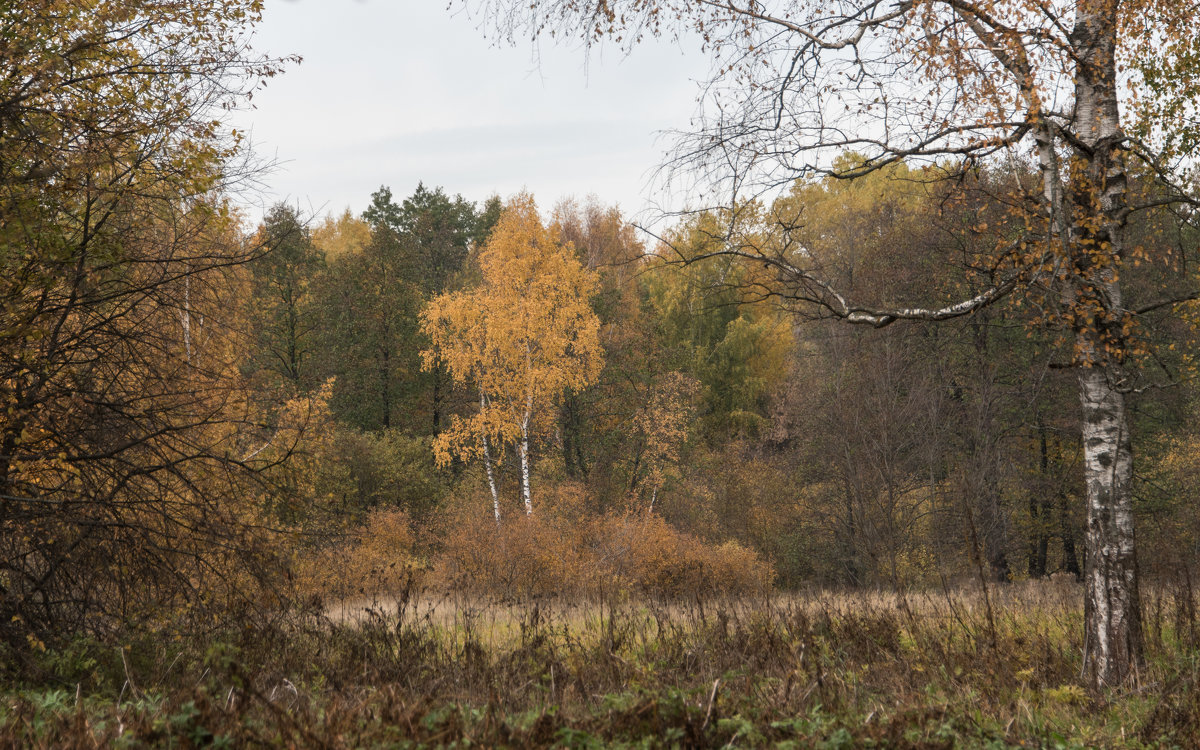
392	92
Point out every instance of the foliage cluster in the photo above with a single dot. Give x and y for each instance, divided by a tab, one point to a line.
127	486
904	456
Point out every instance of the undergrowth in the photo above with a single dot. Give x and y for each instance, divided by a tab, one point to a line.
817	670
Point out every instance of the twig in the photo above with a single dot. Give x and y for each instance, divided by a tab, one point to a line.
712	698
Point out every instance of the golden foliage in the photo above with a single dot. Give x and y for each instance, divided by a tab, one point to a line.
341	236
663	425
523	336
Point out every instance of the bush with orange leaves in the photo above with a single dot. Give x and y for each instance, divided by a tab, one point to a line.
377	558
554	555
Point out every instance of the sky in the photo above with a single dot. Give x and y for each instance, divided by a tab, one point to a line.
396	92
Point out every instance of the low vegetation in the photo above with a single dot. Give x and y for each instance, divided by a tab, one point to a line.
816	669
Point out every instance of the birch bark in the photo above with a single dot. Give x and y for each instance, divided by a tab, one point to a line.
487	463
525	492
1112	609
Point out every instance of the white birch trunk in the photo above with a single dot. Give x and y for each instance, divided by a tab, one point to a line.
525	465
528	496
1112	610
487	463
1113	645
186	316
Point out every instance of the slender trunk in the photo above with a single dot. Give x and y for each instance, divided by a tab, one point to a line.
293	337
487	463
983	483
580	459
988	467
525	465
385	393
1070	559
1043	542
525	434
186	317
1039	508
994	533
849	552
1036	561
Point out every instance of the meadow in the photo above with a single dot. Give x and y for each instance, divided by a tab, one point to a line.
964	667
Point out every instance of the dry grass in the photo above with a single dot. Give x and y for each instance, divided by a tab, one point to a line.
822	668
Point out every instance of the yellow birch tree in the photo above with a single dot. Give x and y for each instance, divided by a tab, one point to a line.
525	334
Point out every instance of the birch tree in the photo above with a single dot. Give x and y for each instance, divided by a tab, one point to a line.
1087	90
521	338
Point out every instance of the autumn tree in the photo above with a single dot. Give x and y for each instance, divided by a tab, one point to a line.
368	303
341	235
714	328
522	337
442	231
1084	89
123	433
597	427
661	428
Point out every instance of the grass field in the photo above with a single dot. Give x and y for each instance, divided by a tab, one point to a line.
822	669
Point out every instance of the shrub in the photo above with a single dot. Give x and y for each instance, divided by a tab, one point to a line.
374	559
549	554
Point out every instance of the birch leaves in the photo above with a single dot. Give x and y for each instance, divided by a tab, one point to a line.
525	334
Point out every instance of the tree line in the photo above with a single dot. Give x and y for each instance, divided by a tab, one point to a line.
675	379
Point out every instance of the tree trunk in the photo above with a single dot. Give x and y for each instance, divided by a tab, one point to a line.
1070	559
1113	646
850	558
525	433
525	465
1039	508
487	462
385	392
1113	633
1038	546
186	317
995	536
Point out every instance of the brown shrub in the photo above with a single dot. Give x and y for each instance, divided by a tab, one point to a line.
376	558
548	554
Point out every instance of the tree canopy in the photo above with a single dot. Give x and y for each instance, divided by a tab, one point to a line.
524	336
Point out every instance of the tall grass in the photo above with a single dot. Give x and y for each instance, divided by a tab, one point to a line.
833	669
